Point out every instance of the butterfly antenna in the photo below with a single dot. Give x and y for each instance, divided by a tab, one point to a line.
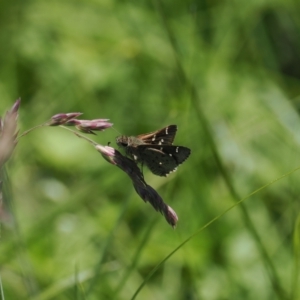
116	130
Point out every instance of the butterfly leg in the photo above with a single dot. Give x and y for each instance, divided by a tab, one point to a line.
142	165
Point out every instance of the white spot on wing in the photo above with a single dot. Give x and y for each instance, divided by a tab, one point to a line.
167	130
154	137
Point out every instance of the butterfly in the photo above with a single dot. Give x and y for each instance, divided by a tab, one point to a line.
155	150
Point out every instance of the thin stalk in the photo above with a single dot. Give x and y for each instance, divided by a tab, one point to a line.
31	129
1	290
105	249
153	271
66	128
135	258
80	135
227	179
295	275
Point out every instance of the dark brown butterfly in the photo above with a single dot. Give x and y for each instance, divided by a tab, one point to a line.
155	150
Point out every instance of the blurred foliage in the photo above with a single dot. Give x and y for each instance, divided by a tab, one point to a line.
227	73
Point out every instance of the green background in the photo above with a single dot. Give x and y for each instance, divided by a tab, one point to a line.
228	74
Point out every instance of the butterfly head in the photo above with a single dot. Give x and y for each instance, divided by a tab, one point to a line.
122	141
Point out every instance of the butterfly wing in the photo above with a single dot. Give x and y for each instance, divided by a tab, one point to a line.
164	136
162	160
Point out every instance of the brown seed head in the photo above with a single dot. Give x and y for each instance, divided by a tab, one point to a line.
61	119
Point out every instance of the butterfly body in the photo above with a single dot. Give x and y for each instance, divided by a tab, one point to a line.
156	150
